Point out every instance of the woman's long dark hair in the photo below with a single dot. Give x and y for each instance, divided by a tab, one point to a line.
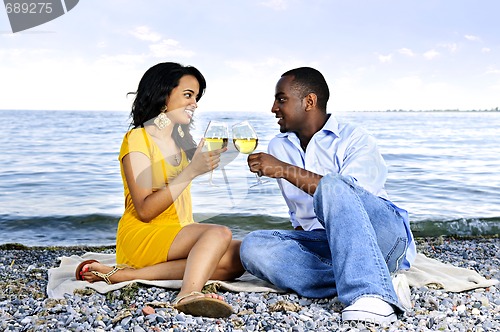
156	84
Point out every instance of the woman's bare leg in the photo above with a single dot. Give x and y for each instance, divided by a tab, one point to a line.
228	268
203	246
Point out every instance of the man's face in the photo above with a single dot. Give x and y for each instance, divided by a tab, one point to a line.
288	107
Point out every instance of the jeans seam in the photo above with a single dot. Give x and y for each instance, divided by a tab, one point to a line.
325	261
396	245
284	237
374	246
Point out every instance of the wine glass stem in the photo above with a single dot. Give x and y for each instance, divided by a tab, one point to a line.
210	178
259	181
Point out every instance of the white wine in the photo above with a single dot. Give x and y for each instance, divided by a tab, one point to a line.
215	143
246	145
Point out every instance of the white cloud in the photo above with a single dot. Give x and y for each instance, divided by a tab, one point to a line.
406	51
68	83
492	70
145	33
93	68
169	48
275	4
452	47
385	58
243	67
246	86
472	38
256	67
17	53
411	82
122	59
429	55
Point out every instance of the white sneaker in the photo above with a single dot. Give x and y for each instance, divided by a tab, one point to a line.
370	309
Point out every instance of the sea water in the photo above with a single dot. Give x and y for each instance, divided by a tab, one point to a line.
60	180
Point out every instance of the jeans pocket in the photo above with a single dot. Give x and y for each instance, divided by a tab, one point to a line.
396	254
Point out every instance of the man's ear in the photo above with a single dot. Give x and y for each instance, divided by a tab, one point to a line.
311	101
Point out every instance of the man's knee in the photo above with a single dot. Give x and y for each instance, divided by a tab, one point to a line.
252	245
331	187
333	184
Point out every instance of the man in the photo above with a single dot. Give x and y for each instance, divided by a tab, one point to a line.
348	236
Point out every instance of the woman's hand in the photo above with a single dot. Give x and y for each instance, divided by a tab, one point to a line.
205	161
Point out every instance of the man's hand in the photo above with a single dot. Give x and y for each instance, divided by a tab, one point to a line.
267	165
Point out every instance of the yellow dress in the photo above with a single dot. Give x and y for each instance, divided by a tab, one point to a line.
140	244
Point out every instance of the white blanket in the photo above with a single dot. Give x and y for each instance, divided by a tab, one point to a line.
430	272
62	279
425	271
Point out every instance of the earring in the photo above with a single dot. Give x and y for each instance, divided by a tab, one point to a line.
162	121
180	131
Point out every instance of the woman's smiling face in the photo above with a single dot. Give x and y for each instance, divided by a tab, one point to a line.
182	100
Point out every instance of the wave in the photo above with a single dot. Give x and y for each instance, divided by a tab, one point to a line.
100	229
460	227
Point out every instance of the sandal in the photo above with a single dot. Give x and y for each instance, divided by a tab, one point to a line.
104	276
203	306
80	266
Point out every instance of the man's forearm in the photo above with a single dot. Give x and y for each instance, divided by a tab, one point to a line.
301	178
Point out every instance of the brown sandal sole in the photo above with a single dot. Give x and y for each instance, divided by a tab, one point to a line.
80	267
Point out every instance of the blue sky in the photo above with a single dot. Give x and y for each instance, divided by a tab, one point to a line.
375	55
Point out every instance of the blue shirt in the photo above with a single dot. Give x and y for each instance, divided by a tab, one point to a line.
341	148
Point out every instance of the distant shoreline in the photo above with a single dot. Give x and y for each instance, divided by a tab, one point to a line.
440	111
493	110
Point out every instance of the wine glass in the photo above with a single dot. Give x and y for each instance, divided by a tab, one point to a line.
245	141
216	136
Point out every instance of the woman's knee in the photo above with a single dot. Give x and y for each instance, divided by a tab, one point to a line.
221	233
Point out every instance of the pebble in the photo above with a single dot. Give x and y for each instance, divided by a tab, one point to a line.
147	310
24	305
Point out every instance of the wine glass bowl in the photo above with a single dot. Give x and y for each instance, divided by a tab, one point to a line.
245	140
245	145
216	137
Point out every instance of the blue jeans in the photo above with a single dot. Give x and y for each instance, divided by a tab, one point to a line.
364	240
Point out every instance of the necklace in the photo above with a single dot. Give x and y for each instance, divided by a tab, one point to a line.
160	142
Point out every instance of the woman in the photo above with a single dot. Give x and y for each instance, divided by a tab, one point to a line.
157	238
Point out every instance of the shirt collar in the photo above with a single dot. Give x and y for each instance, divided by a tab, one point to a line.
331	125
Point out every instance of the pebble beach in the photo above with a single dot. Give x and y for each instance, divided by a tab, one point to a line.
24	305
